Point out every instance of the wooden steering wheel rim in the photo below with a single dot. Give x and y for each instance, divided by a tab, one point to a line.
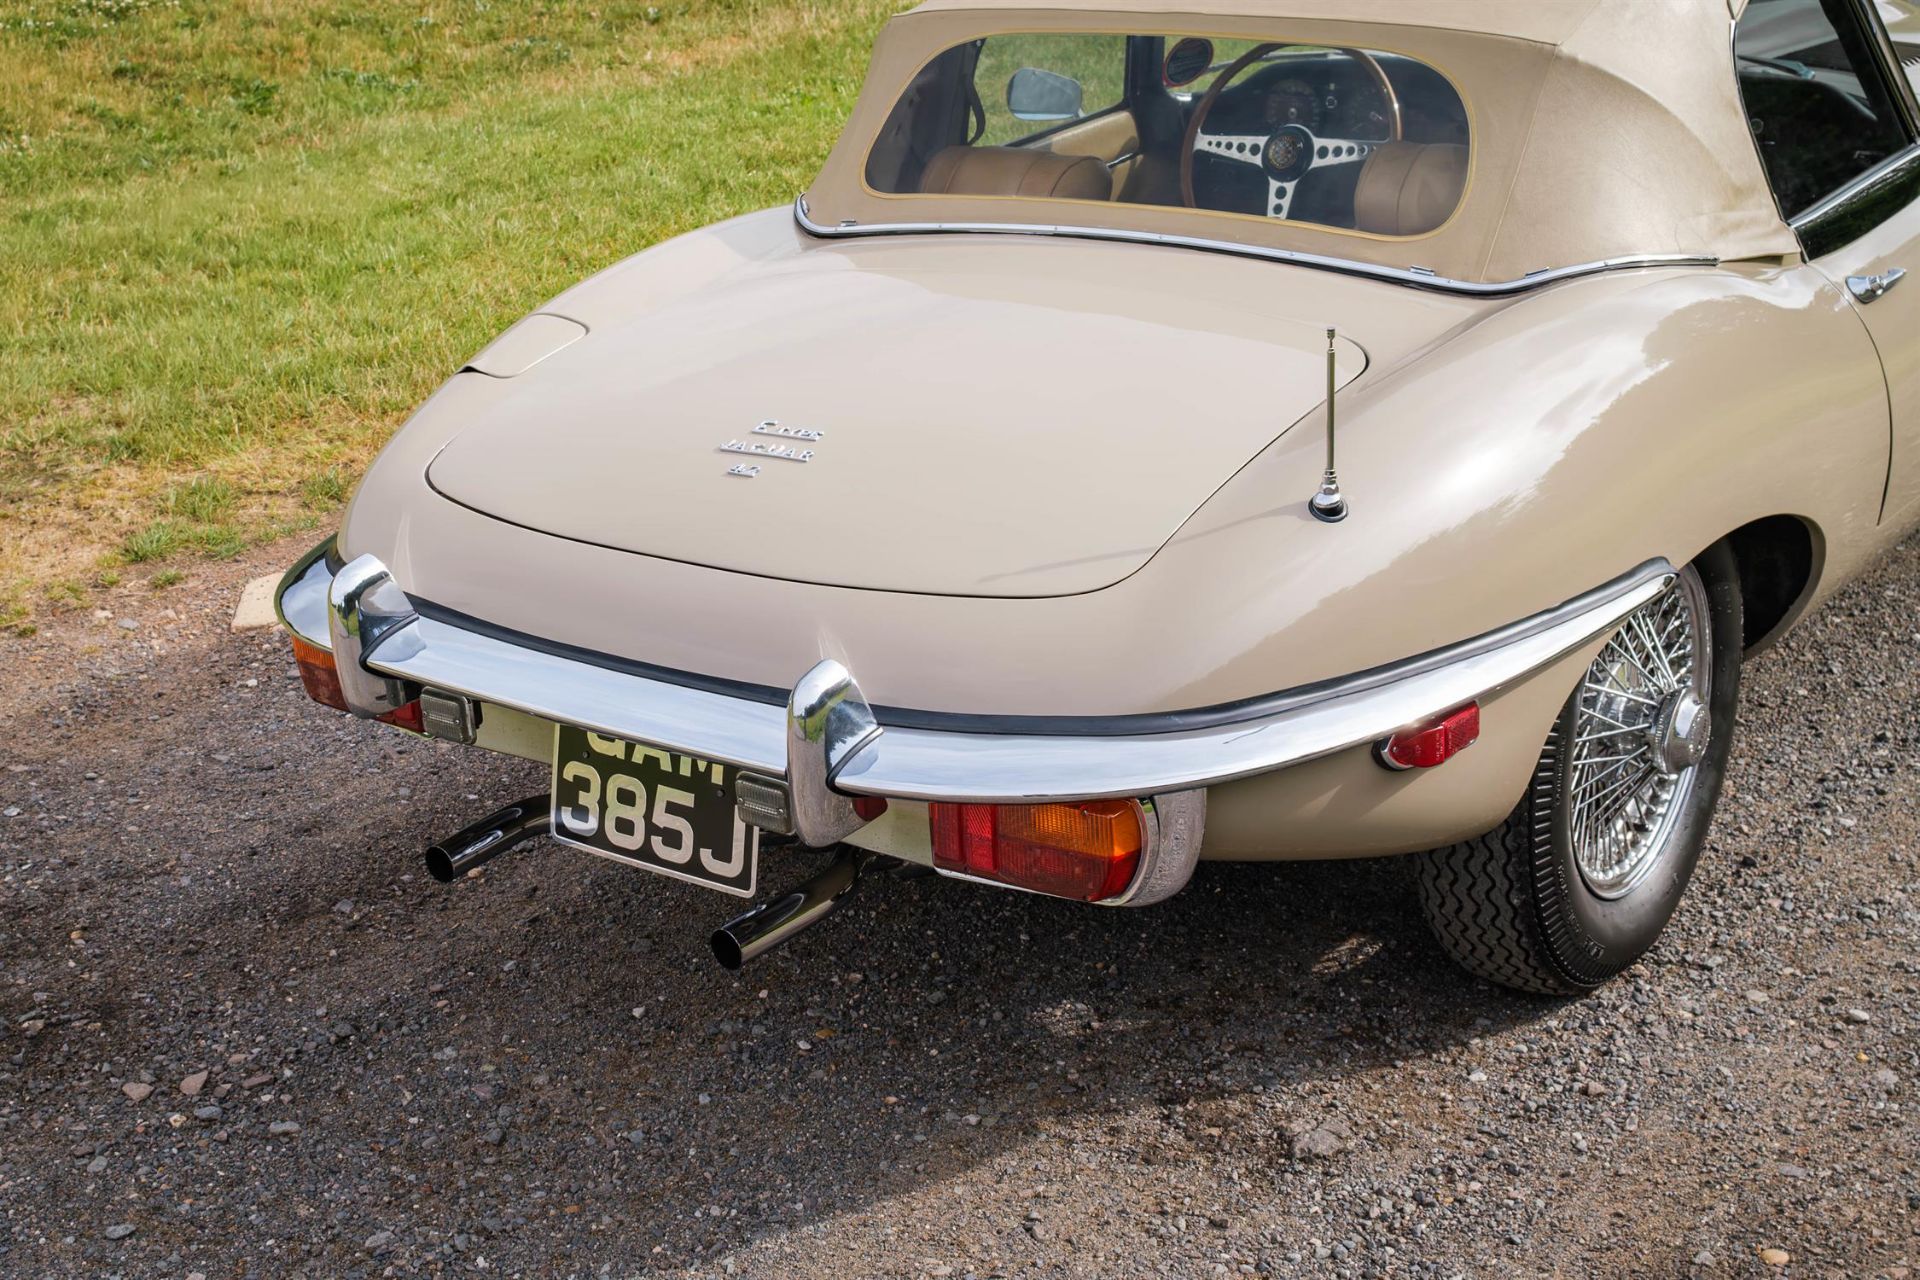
1226	77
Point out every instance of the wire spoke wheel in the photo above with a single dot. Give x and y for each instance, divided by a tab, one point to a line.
1579	880
1639	732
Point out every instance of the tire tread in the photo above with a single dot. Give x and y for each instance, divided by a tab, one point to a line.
1479	899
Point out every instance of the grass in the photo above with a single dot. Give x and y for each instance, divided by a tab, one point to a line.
203	499
239	239
1098	62
157	541
324	490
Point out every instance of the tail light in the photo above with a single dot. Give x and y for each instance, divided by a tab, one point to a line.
1435	742
319	675
1087	851
321	679
405	716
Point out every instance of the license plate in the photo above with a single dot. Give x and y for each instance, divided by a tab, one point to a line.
660	810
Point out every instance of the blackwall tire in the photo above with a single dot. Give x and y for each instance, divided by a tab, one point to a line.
1559	898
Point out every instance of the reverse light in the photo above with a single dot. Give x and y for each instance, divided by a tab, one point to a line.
1087	851
1433	743
321	679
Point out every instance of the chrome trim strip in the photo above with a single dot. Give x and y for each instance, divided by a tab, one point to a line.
1854	210
1417	277
938	763
1227	715
1833	200
919	764
947	873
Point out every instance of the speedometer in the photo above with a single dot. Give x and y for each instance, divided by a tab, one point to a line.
1293	102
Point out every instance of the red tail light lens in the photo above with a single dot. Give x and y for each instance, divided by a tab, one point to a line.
1435	742
321	679
1087	851
405	716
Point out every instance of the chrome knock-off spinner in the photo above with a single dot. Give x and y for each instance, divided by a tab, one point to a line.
1680	732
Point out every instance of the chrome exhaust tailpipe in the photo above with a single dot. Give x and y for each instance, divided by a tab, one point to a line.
488	838
793	912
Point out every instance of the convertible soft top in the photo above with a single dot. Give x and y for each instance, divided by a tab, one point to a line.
1601	129
1540	21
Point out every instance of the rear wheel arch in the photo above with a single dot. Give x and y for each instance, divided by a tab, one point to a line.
1778	559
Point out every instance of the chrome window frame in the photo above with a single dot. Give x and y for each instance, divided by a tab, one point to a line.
1414	277
1890	66
1877	195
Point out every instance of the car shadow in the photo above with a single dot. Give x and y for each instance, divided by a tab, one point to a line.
933	1028
550	1048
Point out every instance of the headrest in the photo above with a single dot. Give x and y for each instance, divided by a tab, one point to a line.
1409	188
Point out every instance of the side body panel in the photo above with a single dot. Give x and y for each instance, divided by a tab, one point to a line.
1894	321
1347	806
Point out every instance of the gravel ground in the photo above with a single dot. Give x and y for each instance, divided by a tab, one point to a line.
242	1033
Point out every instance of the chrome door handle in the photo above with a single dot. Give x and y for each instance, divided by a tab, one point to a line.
1874	288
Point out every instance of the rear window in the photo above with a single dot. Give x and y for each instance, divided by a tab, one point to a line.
1351	139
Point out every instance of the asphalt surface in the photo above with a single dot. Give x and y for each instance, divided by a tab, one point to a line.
243	1034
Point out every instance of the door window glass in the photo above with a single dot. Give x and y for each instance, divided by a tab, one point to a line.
1820	110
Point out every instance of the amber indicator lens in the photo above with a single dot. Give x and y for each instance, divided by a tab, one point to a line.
318	674
321	679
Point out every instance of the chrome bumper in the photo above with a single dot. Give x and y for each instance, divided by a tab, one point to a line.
829	745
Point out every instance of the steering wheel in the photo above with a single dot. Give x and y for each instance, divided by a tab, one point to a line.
1289	153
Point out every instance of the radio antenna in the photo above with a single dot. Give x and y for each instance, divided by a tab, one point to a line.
1328	503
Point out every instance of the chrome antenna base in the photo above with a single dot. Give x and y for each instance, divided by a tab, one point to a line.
1328	504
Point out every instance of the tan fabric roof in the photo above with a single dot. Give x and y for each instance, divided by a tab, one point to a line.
1540	21
1600	128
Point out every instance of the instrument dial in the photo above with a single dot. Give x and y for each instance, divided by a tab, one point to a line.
1293	102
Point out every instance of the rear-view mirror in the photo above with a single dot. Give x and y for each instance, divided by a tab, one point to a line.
1033	94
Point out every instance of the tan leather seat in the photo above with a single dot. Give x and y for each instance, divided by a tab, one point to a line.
1015	171
1409	188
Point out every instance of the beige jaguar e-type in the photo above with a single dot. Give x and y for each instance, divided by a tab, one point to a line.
1269	429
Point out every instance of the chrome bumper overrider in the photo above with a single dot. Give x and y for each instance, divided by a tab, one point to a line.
828	744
